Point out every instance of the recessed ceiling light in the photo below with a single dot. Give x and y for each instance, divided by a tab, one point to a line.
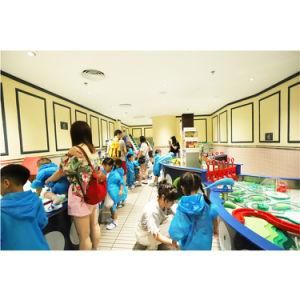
163	92
31	53
251	79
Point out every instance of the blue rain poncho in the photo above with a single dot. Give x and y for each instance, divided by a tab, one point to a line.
45	171
192	225
114	181
158	160
130	179
120	171
22	220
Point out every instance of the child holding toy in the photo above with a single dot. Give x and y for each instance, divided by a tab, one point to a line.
192	225
60	187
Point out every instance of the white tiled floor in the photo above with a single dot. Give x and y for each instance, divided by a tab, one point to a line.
123	237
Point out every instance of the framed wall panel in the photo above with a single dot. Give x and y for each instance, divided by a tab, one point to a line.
94	122
269	118
80	116
111	129
223	127
148	132
215	134
137	132
294	113
32	122
201	125
62	126
104	132
3	132
242	124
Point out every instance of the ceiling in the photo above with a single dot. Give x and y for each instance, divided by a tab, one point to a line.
153	82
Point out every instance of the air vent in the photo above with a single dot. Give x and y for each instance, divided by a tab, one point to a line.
92	74
125	104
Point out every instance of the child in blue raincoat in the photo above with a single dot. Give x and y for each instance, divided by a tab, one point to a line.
130	170
22	213
116	190
60	187
192	225
158	160
118	167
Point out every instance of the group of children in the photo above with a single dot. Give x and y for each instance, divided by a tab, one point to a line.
189	228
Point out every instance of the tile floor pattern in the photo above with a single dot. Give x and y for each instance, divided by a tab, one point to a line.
123	236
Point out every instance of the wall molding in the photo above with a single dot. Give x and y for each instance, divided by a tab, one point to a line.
20	126
205	128
81	112
252	109
54	117
141	131
279	117
113	129
107	137
220	141
288	109
3	122
97	118
13	77
257	146
252	96
212	131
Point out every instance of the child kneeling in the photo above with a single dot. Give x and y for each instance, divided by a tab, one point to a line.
155	217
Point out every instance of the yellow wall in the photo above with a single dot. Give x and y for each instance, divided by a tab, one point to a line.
163	127
33	125
138	130
268	119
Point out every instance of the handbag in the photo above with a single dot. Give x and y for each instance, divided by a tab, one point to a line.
96	189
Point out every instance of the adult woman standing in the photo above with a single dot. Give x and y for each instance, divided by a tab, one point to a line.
144	156
76	167
174	146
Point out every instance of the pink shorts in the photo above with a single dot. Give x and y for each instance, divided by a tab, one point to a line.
77	207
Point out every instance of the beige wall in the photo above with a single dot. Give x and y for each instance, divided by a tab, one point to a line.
268	118
139	130
33	122
163	127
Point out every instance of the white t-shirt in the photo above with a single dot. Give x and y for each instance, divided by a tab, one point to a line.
145	149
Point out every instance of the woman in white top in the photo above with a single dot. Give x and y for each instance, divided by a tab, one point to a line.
144	156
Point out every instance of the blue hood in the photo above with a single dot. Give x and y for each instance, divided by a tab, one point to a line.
46	166
21	205
191	205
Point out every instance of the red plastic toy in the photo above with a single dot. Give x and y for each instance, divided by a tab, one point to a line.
240	213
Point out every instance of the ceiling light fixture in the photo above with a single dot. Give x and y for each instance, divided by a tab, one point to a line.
251	79
92	74
31	53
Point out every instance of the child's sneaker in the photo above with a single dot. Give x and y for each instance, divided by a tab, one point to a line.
53	207
112	225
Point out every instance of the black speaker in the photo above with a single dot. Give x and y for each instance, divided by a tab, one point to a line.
187	120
